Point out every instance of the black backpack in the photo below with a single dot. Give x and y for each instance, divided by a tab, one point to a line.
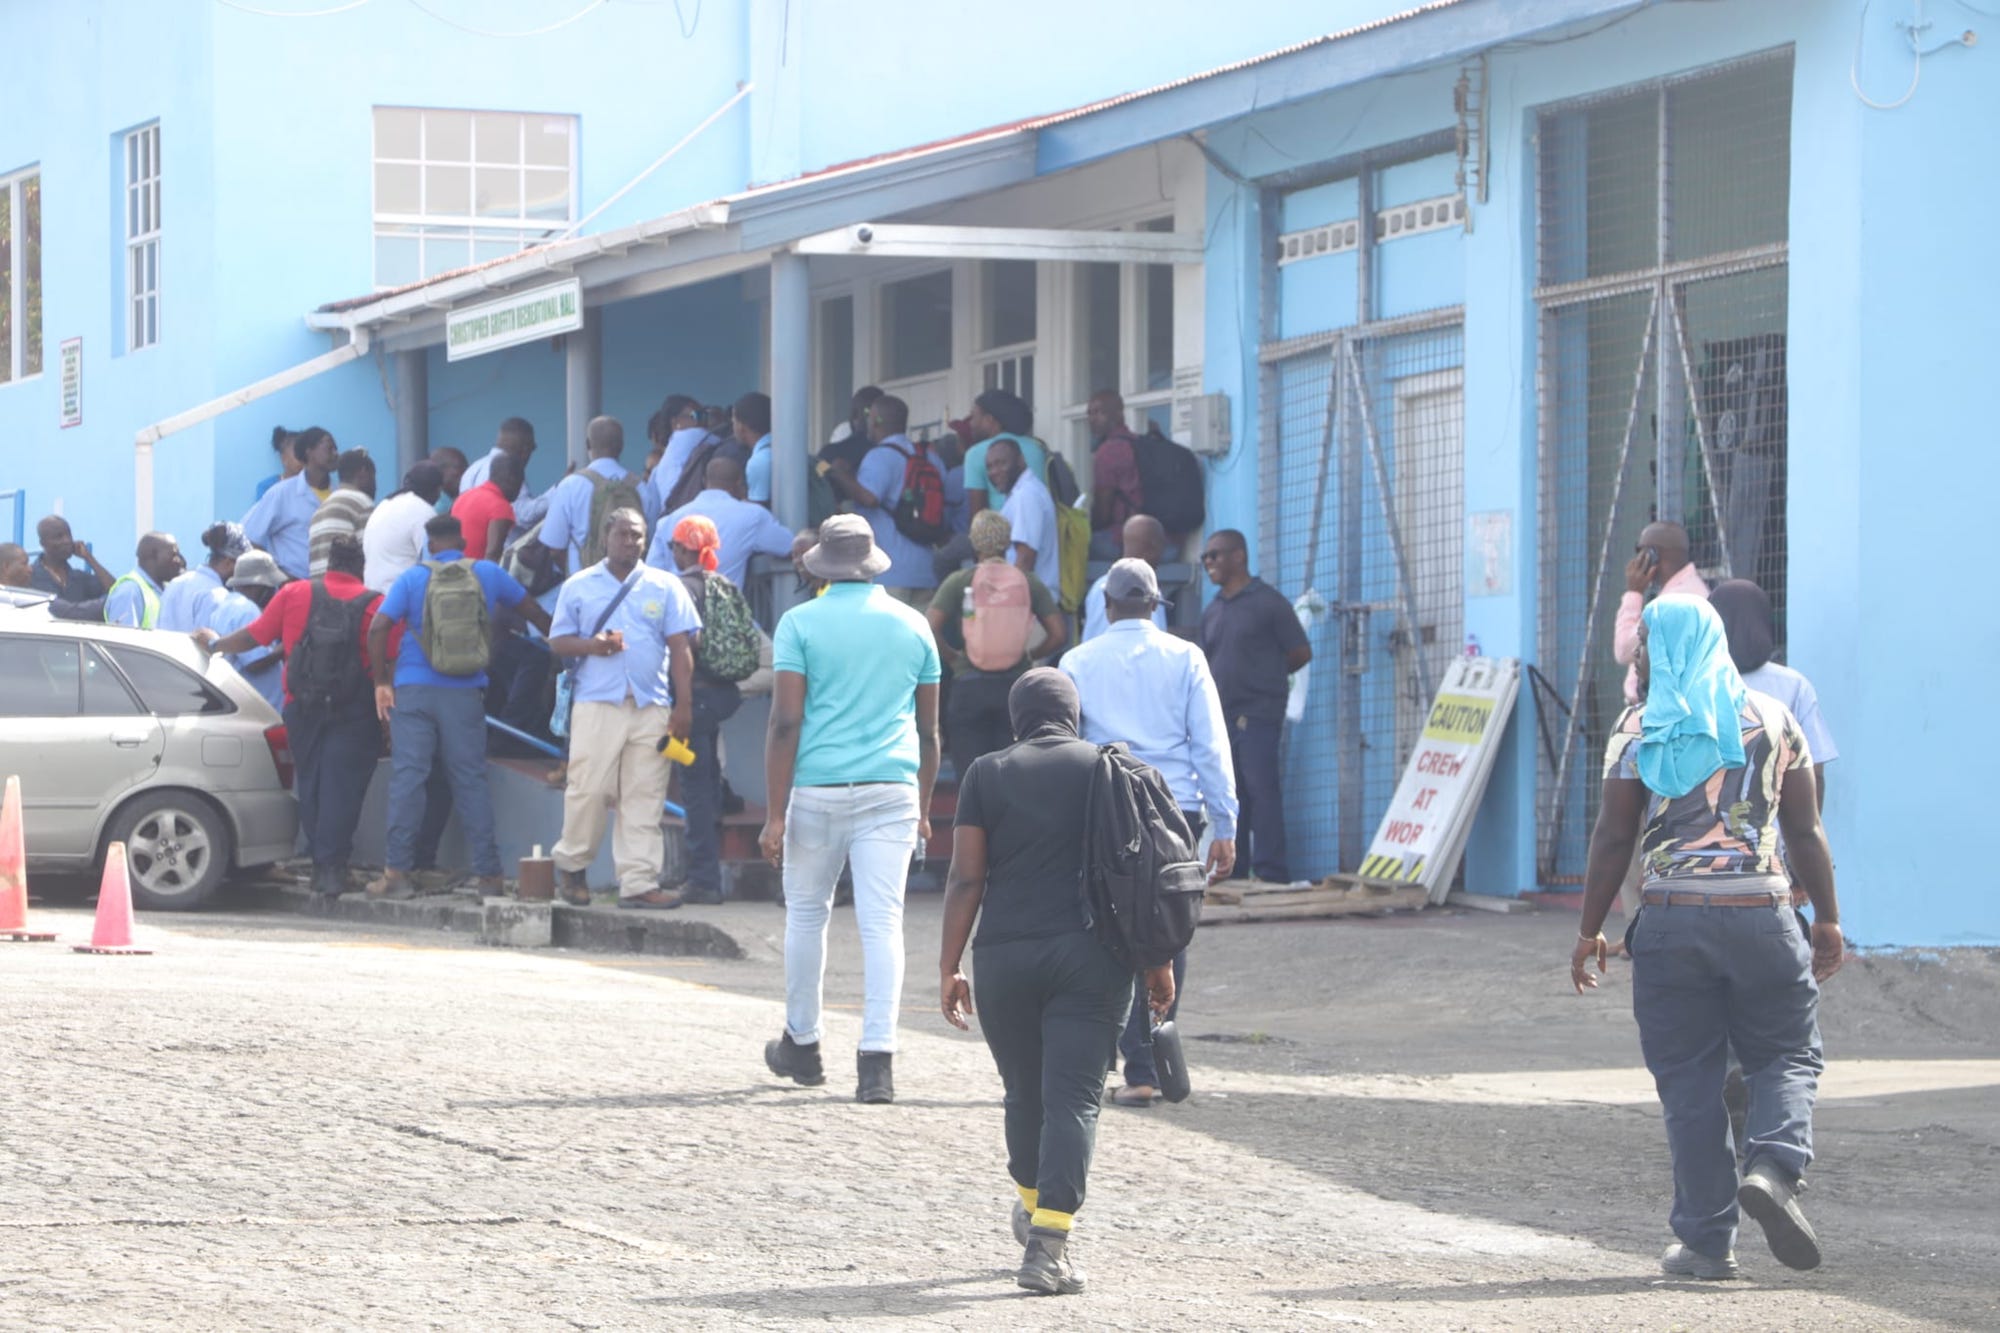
324	670
1171	476
693	473
1142	887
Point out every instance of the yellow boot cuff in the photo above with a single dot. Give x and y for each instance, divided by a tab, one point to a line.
1028	1196
1052	1220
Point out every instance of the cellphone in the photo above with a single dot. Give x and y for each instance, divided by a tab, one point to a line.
1651	555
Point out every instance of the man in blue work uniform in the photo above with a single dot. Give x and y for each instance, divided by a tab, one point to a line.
630	629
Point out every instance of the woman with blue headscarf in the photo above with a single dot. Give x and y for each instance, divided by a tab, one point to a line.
1701	777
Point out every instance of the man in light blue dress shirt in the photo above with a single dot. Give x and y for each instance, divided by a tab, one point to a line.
746	529
566	528
753	430
631	688
1145	540
875	488
1142	686
281	520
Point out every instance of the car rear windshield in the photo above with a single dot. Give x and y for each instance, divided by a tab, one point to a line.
166	688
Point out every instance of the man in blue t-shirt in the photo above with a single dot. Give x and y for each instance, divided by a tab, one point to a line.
432	715
848	768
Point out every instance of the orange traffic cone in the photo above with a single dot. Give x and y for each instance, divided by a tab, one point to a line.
14	872
113	932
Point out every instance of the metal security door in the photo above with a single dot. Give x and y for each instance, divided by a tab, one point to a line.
1364	513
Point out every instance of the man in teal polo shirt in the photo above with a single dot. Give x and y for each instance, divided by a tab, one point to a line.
849	762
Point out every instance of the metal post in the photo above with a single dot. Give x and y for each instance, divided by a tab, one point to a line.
582	387
413	410
791	385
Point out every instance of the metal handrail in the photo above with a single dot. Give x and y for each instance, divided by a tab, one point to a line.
554	753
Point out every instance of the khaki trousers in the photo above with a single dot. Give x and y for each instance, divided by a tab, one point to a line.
613	763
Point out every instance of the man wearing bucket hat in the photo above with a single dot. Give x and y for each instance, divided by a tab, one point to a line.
254	581
849	761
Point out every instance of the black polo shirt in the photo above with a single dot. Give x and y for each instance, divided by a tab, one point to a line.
83	585
1246	638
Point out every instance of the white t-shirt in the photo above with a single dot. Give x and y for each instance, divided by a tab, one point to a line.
394	538
1031	510
1796	693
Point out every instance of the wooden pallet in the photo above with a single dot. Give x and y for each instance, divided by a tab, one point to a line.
1336	895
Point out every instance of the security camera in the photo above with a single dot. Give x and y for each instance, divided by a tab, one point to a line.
864	234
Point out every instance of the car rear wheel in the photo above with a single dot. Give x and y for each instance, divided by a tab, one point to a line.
176	849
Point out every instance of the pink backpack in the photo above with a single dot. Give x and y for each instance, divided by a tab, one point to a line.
998	616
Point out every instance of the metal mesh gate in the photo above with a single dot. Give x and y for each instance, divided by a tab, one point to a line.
1663	309
1363	522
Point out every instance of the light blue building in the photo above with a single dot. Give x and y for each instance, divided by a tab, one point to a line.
1457	296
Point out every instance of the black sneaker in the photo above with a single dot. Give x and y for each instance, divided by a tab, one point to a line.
1774	1202
800	1064
876	1085
1045	1266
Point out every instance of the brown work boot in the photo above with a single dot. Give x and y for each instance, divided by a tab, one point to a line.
393	885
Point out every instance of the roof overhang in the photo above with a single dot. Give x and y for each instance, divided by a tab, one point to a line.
1430	34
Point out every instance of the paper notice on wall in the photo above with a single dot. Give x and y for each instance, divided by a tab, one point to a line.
71	361
1423	834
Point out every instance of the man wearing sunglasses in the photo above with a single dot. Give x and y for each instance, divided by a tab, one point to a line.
1254	643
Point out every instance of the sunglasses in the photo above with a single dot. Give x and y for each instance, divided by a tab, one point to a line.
1210	557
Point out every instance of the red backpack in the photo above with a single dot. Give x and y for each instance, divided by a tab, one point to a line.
919	509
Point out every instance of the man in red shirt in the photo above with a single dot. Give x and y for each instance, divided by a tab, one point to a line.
329	700
486	512
1116	492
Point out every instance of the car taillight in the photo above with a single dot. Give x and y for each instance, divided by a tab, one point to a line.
281	753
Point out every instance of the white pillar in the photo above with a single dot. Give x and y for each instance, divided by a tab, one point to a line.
413	412
582	383
791	386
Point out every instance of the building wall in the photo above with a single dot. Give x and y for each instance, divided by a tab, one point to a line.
1880	333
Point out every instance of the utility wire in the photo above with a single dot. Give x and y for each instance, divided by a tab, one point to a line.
293	13
526	32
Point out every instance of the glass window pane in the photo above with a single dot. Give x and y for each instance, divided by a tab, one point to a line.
448	136
447	191
1008	302
152	320
916	325
31	275
836	360
104	695
547	195
37	678
1159	369
398	189
396	132
6	283
446	250
496	192
167	689
1097	328
548	141
496	138
398	259
495	245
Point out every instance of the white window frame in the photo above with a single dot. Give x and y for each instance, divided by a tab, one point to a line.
16	278
526	230
142	237
1132	316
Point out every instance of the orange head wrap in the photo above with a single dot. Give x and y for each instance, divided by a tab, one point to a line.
698	534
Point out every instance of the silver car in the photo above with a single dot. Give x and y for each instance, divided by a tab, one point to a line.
139	737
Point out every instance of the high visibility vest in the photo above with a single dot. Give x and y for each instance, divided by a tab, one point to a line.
149	601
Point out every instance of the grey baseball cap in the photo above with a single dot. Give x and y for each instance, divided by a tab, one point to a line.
257	570
1133	581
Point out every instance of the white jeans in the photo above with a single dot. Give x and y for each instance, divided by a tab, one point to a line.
873	827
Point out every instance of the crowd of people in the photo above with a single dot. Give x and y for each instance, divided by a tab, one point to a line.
941	628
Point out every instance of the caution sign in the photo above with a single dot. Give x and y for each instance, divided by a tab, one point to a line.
1423	834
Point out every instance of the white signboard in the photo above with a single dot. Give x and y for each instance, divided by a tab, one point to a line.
1423	834
513	320
72	382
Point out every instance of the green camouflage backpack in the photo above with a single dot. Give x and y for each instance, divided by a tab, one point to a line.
456	634
729	647
606	498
